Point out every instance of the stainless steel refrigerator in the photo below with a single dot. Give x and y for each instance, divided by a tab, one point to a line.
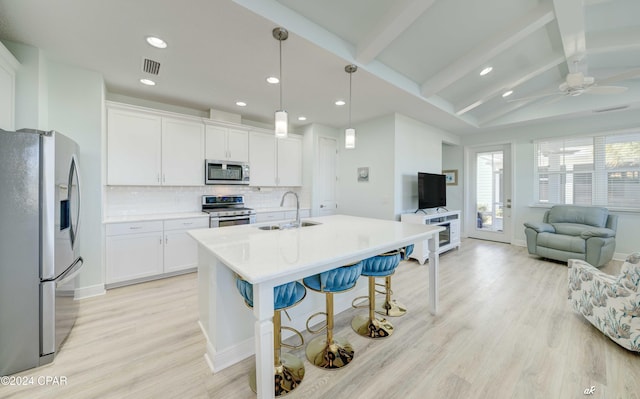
39	257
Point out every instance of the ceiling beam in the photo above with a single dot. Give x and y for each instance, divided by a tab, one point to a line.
484	52
517	104
613	40
397	20
509	84
570	17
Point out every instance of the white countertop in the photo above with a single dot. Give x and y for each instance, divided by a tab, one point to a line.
262	255
157	216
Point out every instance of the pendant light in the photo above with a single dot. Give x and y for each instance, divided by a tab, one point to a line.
349	132
281	117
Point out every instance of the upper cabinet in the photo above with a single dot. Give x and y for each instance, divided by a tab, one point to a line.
8	67
145	148
275	162
182	152
227	144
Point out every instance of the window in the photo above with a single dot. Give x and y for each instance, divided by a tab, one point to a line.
599	170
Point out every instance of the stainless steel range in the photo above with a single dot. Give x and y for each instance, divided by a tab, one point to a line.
227	210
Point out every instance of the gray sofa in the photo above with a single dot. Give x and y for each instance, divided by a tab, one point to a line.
574	232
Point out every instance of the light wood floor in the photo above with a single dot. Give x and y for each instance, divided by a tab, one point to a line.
504	330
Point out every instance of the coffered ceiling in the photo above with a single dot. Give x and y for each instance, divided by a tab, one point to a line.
421	58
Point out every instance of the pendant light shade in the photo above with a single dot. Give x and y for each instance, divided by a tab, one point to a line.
282	121
350	138
350	133
281	117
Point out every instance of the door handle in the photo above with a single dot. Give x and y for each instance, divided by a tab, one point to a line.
321	206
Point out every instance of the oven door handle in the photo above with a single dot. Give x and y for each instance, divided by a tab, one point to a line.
229	218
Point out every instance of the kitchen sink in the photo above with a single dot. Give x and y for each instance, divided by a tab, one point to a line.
285	226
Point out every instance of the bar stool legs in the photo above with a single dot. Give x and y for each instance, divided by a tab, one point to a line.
328	352
288	369
369	326
390	307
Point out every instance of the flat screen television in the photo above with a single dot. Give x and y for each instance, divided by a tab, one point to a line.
432	190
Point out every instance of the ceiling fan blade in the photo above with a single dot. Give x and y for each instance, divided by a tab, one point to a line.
631	74
606	89
536	96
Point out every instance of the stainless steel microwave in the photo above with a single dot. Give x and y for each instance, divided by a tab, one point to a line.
226	172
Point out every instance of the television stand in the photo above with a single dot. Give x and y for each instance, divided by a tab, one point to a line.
449	238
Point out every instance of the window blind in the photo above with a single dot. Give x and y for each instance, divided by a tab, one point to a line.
599	170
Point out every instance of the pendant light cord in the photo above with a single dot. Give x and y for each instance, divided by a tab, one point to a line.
280	41
350	74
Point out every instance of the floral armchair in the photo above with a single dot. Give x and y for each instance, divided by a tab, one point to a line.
610	303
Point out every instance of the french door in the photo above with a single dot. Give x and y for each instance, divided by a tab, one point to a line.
489	201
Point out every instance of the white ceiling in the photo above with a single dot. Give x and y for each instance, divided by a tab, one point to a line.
421	58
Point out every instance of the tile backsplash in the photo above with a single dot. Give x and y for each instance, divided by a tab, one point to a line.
145	200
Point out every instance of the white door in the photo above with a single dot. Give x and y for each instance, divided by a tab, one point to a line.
327	175
489	201
216	145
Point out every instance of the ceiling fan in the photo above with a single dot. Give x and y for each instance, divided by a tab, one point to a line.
576	84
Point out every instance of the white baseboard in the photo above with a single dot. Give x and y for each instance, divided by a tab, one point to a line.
519	243
88	292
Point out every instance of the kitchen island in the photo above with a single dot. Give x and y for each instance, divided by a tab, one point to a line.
268	258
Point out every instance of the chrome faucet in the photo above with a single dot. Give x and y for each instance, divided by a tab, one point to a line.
297	223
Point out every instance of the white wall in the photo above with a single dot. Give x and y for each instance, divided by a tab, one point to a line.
31	87
453	158
523	187
375	149
75	104
51	96
418	148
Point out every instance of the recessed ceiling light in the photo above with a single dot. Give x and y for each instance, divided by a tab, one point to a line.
486	71
273	80
156	42
241	104
340	102
147	82
302	118
507	93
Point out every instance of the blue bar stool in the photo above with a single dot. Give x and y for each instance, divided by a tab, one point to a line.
288	369
391	307
377	266
329	352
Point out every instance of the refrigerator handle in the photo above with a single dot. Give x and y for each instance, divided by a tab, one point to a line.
71	272
73	172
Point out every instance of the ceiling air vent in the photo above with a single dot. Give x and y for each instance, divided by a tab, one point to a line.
151	66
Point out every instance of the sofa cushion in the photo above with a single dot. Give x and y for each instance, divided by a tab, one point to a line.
571	229
591	215
562	242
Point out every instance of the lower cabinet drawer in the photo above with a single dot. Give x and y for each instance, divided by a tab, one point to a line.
133	227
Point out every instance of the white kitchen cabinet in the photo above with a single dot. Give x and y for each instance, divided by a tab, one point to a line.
147	250
182	152
147	149
289	164
227	144
275	162
180	249
133	148
133	251
8	67
448	239
262	159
